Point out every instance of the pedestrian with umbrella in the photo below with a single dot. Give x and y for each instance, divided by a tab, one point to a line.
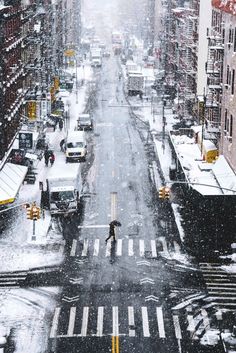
112	226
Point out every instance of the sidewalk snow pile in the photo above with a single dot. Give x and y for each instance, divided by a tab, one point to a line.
20	247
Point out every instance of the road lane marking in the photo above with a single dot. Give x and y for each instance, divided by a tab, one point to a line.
164	244
206	320
55	321
85	248
160	322
117	344
71	325
113	344
119	247
113	173
131	321
131	247
115	321
113	205
96	247
108	249
178	334
176	247
141	248
95	226
191	326
100	321
73	247
154	249
146	331
84	321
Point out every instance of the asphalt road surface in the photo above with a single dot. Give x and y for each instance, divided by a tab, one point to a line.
116	296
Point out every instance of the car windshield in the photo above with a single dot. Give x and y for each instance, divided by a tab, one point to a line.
62	196
84	120
75	144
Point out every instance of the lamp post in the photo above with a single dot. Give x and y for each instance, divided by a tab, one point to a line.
76	82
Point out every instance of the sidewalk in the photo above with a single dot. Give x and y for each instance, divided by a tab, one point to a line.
19	248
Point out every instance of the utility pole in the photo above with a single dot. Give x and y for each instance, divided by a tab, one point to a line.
203	119
76	82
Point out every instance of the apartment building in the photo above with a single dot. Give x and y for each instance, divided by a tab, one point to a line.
225	13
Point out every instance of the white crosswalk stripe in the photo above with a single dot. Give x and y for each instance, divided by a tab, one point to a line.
147	321
129	247
141	248
100	321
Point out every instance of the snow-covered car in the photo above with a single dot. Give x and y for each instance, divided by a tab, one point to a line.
84	122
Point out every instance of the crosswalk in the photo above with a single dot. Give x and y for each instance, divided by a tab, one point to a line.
221	285
130	247
76	321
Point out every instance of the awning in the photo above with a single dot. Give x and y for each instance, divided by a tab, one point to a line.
11	179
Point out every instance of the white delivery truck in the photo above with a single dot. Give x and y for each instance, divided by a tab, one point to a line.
96	57
135	83
75	146
63	191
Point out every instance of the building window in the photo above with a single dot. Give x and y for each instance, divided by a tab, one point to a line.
231	126
227	75
226	118
234	39
232	83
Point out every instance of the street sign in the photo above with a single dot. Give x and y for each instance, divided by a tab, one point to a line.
25	140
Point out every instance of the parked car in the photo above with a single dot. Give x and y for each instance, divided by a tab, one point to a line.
84	122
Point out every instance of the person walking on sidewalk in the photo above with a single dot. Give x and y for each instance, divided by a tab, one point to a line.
46	157
62	143
60	124
52	159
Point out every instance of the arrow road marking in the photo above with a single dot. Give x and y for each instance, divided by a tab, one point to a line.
70	300
81	262
151	297
76	280
146	280
143	262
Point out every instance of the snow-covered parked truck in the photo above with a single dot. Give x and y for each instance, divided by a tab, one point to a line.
63	191
135	82
96	57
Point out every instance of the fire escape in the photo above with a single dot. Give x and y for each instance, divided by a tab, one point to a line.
214	70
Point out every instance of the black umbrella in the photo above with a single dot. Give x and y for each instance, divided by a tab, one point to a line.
115	223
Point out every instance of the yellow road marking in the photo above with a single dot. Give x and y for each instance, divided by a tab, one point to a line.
115	344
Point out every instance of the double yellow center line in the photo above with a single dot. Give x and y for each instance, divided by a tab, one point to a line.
115	344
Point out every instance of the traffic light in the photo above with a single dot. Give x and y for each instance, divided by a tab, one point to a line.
167	193
36	213
162	192
29	212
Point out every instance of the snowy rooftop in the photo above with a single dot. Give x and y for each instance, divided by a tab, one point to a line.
211	178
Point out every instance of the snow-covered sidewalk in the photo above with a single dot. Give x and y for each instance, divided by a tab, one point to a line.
20	249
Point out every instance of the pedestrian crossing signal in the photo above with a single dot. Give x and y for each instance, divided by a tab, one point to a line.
36	213
162	192
167	193
29	213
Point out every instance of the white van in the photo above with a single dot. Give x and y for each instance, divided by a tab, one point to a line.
75	146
